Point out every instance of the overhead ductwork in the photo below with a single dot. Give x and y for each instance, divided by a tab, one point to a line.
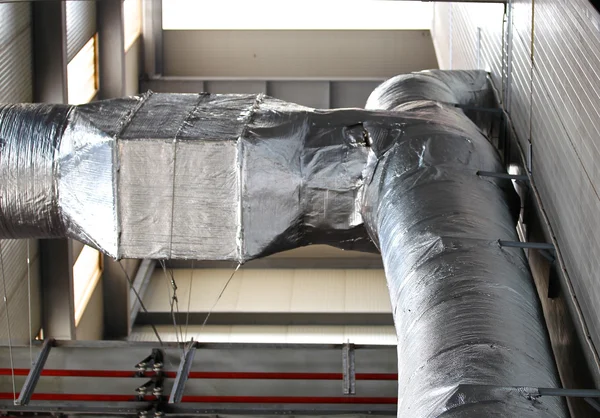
234	177
183	176
467	316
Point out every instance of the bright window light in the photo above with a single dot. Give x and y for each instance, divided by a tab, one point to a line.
132	21
290	14
82	74
87	271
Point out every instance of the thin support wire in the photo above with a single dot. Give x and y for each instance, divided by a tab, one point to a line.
172	298
175	302
29	303
10	351
187	316
137	295
220	294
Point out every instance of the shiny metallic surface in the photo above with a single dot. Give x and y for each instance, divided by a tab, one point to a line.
184	176
554	107
236	177
466	310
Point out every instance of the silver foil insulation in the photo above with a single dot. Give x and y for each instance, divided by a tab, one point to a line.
466	311
235	177
183	176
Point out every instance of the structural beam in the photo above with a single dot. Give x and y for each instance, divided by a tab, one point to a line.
239	379
183	372
116	289
522	177
111	40
34	373
50	52
138	290
267	318
368	262
56	267
532	245
153	39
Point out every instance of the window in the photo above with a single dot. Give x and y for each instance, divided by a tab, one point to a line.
82	74
87	271
132	21
306	14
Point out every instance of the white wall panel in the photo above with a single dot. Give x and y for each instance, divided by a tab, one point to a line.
273	290
292	334
351	93
307	93
296	53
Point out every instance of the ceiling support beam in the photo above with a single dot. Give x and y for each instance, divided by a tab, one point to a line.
268	318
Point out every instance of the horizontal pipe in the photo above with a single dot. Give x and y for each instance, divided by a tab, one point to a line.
83	397
204	375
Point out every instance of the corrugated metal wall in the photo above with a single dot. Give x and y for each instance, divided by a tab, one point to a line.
81	25
554	103
15	53
16	86
14	260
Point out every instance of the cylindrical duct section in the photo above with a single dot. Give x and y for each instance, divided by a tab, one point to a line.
467	315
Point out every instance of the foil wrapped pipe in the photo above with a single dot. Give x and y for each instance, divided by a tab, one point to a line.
183	176
466	311
235	177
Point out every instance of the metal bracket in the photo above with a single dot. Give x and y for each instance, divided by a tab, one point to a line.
533	245
34	373
479	109
593	403
547	251
185	365
154	362
522	177
155	384
349	384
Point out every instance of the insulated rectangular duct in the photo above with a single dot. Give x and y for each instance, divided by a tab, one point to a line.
182	176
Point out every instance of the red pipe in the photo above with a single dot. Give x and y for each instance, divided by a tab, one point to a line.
205	375
211	399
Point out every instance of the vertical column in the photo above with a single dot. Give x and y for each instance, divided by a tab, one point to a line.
111	49
50	52
50	85
153	39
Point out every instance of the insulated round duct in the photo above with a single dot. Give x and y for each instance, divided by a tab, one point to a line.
467	315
